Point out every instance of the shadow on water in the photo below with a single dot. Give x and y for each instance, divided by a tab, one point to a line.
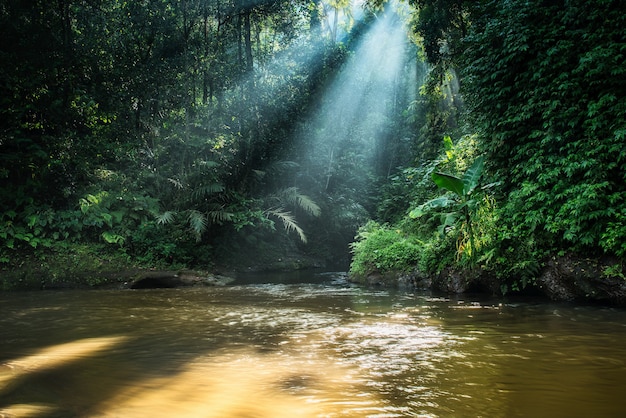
176	352
305	346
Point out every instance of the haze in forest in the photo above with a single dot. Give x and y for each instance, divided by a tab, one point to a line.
411	138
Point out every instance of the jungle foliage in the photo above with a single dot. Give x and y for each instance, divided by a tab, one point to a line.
167	130
543	94
174	132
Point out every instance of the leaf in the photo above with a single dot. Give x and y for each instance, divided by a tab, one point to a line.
292	196
308	205
439	202
289	222
112	238
205	190
219	216
448	182
176	182
32	220
108	219
118	216
198	223
449	148
449	219
472	175
165	217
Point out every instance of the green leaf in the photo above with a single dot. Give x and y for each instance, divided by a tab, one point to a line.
449	147
165	217
219	216
439	202
118	216
112	238
448	182
471	178
292	196
32	220
108	219
202	191
198	223
449	219
289	222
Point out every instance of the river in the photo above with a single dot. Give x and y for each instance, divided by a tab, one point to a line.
314	346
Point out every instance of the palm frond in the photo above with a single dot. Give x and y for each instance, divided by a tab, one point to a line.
197	222
292	196
204	190
165	217
219	216
288	221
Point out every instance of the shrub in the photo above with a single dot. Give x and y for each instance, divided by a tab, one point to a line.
381	249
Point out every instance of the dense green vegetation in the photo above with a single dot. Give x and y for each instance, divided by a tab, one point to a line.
176	132
242	133
544	98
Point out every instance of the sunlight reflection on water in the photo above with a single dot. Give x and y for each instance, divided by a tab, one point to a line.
305	350
247	384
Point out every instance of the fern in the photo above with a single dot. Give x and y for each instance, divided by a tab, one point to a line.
219	216
288	221
202	191
165	217
198	223
278	168
292	196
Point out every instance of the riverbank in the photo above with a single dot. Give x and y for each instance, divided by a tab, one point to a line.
90	266
93	266
568	277
561	278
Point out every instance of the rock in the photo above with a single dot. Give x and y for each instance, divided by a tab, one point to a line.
171	279
451	281
575	278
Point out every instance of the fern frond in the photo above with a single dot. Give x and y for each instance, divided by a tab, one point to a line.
288	221
308	205
219	216
292	196
205	190
197	222
165	217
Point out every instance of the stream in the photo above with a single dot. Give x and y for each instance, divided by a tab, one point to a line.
306	345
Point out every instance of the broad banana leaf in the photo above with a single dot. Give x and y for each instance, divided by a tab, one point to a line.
471	178
449	182
439	202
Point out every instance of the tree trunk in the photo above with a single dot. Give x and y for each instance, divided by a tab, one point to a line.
248	41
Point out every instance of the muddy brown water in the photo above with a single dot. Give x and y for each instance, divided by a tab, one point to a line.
306	347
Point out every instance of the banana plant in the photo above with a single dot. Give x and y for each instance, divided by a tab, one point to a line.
461	200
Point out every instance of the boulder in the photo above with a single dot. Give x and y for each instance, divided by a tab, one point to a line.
171	279
575	278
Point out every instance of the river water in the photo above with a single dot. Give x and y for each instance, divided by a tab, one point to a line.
306	347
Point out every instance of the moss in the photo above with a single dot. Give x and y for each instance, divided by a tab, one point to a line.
74	266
